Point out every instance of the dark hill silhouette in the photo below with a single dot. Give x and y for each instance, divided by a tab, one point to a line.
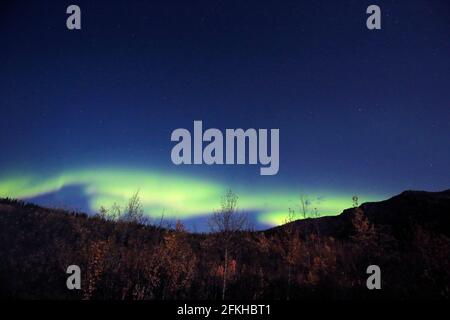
430	209
406	235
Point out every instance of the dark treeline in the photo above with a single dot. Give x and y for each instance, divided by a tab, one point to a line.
123	258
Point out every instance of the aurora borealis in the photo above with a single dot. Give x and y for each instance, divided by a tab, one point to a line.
175	197
86	115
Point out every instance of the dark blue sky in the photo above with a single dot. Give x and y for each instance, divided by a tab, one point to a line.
359	111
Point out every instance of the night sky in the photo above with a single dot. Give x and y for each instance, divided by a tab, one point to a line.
86	115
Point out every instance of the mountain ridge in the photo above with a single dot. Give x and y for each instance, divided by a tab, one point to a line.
408	207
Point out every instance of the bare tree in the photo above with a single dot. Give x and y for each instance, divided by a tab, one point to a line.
227	222
304	205
134	211
291	246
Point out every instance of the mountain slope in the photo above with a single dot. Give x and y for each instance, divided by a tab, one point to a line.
326	258
430	209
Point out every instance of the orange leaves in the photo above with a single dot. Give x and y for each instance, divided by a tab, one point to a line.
96	266
231	269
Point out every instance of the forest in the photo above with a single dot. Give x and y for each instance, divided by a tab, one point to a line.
124	256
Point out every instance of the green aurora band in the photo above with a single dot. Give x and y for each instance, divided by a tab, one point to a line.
176	196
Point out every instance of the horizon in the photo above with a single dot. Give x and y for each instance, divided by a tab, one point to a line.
87	114
199	223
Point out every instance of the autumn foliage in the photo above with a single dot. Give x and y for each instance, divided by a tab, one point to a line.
128	259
